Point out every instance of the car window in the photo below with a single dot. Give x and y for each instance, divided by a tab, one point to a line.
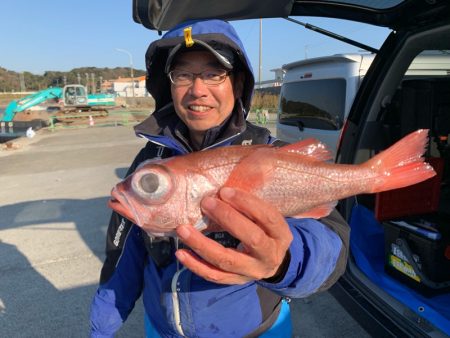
81	91
303	104
422	98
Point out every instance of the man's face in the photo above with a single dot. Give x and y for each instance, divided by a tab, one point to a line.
202	106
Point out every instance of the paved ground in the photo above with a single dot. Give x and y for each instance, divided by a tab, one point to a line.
53	218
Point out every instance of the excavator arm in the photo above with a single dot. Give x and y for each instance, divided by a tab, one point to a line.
29	101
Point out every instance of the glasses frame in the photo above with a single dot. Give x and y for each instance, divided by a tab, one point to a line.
226	73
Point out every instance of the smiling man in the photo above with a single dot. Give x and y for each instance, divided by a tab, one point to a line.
203	92
213	284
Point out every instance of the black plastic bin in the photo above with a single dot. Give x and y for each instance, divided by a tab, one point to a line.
417	255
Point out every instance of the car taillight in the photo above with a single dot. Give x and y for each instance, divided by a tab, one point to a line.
306	76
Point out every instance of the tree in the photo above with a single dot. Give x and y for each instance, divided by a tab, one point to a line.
10	80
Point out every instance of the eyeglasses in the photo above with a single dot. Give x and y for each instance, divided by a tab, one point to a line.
211	77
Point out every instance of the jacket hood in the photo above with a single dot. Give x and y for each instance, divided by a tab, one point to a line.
213	33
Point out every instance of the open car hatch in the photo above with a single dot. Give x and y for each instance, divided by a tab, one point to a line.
164	14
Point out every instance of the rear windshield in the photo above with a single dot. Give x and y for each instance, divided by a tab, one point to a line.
315	104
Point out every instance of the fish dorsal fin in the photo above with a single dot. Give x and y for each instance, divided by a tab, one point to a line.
318	212
312	148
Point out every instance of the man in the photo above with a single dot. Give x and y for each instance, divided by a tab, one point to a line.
227	282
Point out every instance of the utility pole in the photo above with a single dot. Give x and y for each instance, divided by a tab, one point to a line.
94	87
87	82
260	53
22	82
131	68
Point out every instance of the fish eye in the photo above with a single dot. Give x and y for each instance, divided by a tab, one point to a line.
149	183
154	185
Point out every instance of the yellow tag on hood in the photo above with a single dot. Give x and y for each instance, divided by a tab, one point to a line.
188	37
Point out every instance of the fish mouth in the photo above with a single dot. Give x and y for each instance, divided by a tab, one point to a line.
119	203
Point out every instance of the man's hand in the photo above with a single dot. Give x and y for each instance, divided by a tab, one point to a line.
264	234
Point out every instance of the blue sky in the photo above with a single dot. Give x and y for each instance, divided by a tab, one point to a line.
61	35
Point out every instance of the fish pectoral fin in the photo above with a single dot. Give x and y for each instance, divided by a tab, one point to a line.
318	212
253	171
311	148
202	223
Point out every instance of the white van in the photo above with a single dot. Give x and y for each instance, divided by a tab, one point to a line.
317	94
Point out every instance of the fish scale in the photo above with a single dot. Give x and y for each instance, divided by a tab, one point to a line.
290	177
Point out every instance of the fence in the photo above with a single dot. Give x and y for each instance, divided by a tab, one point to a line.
114	118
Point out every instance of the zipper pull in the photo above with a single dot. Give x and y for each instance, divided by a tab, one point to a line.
159	152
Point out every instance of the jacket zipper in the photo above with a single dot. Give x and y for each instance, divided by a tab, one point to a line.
221	142
175	289
176	302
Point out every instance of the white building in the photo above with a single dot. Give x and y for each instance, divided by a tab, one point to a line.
276	82
123	87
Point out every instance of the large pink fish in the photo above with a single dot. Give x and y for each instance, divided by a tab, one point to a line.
162	194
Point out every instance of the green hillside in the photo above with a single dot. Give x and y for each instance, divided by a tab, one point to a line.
26	81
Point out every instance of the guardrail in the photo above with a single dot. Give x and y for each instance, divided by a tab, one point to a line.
114	118
86	120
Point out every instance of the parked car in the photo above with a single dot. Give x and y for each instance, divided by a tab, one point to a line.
398	273
317	93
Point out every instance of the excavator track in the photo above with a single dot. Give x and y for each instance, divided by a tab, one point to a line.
69	115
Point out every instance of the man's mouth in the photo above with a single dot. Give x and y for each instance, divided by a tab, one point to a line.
198	108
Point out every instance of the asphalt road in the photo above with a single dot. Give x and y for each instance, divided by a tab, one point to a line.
53	219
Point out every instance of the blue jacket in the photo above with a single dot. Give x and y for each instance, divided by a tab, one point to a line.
205	309
137	264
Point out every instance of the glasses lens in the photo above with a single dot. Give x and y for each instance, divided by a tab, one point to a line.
213	77
181	77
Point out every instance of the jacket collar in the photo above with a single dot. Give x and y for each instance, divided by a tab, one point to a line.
166	128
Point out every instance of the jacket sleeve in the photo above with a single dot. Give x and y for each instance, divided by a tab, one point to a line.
318	256
121	282
121	275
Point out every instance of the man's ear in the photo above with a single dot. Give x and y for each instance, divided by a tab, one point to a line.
238	84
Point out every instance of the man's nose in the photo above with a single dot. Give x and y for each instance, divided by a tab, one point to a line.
198	87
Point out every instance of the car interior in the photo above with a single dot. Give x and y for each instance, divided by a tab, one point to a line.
400	239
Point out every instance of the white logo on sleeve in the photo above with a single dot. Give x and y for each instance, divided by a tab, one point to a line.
119	232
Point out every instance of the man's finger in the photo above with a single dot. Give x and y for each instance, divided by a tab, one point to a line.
236	223
208	271
263	213
255	241
217	255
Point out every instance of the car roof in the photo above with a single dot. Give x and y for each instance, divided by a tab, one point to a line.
395	14
347	58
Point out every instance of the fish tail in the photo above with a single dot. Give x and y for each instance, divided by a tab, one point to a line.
402	164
